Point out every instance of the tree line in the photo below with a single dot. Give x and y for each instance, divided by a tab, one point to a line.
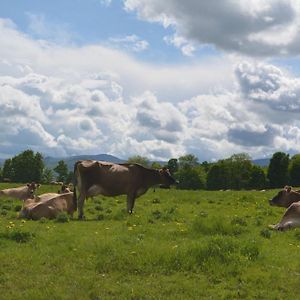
29	166
236	172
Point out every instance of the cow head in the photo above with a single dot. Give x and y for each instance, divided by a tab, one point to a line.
285	197
64	189
166	177
31	188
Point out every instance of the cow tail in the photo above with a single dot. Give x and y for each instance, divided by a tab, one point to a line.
75	183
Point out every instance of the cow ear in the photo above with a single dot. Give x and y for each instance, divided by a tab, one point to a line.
28	184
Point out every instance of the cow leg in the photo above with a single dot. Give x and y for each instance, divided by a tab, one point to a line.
130	202
81	199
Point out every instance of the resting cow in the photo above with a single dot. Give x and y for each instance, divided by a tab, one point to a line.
289	199
109	179
64	189
22	192
48	206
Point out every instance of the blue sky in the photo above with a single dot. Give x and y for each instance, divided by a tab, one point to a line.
92	22
159	79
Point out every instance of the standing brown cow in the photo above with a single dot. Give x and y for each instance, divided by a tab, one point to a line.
109	179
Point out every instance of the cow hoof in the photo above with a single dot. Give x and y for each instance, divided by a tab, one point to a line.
130	212
81	218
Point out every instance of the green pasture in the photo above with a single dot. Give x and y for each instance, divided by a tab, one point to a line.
177	245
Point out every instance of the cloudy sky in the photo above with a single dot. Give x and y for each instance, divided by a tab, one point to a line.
155	78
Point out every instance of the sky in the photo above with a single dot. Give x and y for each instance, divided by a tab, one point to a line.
154	78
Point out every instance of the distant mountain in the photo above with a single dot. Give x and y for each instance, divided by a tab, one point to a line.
51	162
263	162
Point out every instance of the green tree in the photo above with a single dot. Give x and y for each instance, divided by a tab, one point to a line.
172	165
62	170
206	166
230	173
70	177
217	176
48	175
7	171
188	160
240	167
138	159
257	178
27	166
278	170
155	165
294	170
191	178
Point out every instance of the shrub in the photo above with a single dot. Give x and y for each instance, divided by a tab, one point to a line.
62	217
6	206
98	207
18	207
265	233
18	236
3	212
100	217
43	220
156	214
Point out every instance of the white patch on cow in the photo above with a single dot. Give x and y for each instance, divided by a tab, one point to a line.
95	190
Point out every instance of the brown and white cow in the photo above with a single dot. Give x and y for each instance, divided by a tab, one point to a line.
291	200
48	206
109	179
22	192
64	189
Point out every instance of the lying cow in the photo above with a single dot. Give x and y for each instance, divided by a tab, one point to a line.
47	206
22	192
289	199
109	179
64	189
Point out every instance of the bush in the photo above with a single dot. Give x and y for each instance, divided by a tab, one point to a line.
62	217
156	214
18	207
265	233
100	217
18	236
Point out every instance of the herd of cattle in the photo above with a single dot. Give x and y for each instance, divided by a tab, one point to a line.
98	177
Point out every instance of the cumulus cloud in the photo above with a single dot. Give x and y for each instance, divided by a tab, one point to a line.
268	84
256	27
53	101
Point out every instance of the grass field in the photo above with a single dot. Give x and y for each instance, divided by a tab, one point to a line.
177	245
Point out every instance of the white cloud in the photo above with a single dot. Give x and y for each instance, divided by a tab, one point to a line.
186	48
42	28
130	42
106	2
255	28
54	101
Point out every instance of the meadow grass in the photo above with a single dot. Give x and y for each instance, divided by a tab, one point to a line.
176	245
